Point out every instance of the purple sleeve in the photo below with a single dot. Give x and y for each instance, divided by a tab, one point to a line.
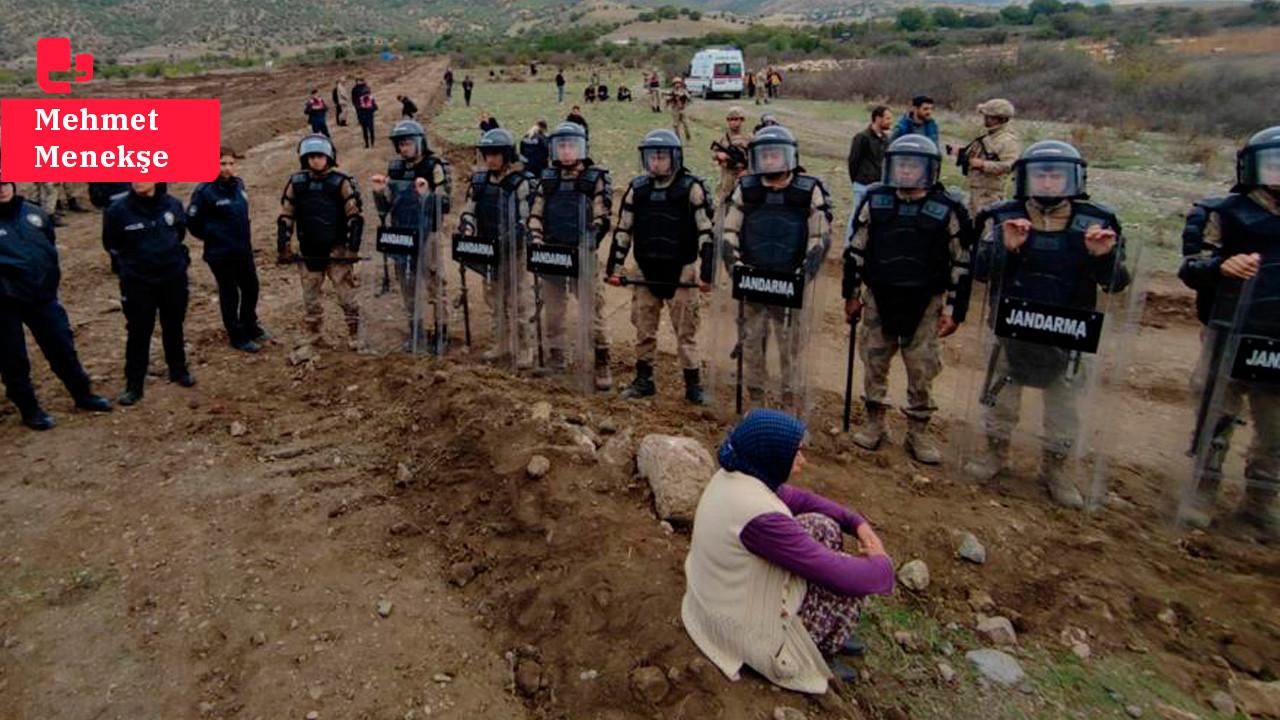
782	541
804	501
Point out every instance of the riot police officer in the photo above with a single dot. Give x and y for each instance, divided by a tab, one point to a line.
910	248
666	212
144	232
497	207
415	194
778	219
29	277
323	203
1055	246
573	183
1229	241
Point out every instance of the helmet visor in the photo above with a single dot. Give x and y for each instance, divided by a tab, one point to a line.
1050	180
1268	160
772	159
408	146
568	149
659	162
910	171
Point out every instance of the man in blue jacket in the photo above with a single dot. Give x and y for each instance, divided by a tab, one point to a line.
144	232
29	277
218	214
918	120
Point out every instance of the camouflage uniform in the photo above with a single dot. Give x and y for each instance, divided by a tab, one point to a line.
760	321
679	100
524	310
439	182
47	194
999	147
340	274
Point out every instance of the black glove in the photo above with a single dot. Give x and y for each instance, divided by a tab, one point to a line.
708	254
355	231
284	233
813	261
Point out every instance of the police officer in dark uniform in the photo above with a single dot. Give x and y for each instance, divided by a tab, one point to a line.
414	174
910	247
573	181
218	214
666	214
1226	242
778	218
1056	246
533	148
324	203
144	232
29	278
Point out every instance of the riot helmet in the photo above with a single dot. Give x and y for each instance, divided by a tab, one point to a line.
773	151
568	144
912	162
656	146
1258	162
1049	172
498	140
316	144
409	130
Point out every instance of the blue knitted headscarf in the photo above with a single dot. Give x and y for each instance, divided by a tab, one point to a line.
763	445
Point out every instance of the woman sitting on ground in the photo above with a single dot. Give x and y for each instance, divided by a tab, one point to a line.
767	584
589	93
624	93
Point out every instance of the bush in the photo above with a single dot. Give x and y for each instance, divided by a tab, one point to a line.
912	19
897	48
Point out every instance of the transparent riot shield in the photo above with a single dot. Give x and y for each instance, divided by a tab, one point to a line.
490	258
1045	377
1240	359
567	292
759	335
403	304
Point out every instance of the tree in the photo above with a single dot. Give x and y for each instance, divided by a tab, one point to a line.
1044	7
946	17
1265	7
912	19
1015	15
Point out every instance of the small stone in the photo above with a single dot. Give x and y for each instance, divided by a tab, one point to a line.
528	676
352	414
908	641
1082	651
981	601
315	692
649	684
439	377
997	631
666	528
259	638
461	573
313	715
972	550
1223	703
946	673
1244	658
946	648
788	713
1169	712
538	467
921	480
206	708
1133	711
384	608
588	675
403	474
303	354
442	678
1256	698
608	426
238	428
541	411
114	305
996	666
405	528
914	575
1168	617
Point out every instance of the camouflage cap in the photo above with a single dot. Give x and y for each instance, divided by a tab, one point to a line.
996	107
735	112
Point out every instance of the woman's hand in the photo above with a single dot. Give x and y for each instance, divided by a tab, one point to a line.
871	543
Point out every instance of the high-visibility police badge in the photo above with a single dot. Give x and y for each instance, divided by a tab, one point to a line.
35	220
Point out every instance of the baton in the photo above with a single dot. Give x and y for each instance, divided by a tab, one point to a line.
848	372
323	258
656	283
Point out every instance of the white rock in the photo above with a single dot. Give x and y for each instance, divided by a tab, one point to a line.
238	428
442	678
538	467
1223	703
788	713
997	631
996	666
972	550
946	672
914	575
541	411
677	468
384	607
1082	651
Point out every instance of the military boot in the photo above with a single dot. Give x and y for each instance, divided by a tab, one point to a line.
872	434
1258	508
555	364
693	391
643	385
919	444
991	462
1063	490
604	378
1198	512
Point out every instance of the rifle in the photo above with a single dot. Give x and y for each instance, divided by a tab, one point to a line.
537	315
991	385
386	266
322	258
1205	407
656	283
737	156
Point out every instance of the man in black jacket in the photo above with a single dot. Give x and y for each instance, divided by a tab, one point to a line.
362	99
29	277
144	232
866	157
218	214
